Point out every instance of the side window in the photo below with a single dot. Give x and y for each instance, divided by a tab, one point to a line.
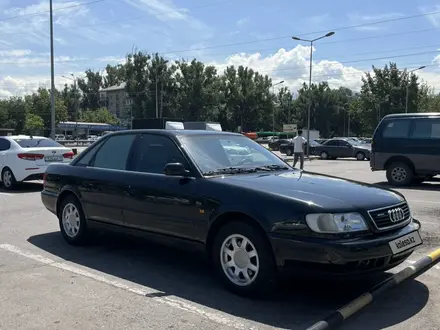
426	129
4	144
398	128
88	156
153	152
332	143
114	153
344	144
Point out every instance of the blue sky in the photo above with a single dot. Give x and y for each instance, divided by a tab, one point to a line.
218	32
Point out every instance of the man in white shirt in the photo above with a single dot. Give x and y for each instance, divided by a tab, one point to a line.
298	149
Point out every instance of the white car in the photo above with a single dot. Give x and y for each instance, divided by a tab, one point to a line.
25	158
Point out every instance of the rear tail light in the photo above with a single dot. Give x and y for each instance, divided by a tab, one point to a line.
69	155
30	156
44	179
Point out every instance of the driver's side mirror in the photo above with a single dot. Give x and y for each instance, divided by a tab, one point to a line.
175	169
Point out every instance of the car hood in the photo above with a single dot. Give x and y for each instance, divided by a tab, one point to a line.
317	190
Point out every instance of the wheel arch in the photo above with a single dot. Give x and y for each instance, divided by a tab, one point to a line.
68	191
229	217
403	159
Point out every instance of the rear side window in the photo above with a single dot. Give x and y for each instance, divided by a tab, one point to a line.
4	144
398	128
426	129
332	143
114	153
37	143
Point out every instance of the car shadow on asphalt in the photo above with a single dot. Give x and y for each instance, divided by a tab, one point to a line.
299	303
23	188
426	186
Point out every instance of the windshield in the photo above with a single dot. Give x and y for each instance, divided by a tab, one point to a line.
229	154
37	143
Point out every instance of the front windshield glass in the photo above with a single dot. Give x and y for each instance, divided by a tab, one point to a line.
216	153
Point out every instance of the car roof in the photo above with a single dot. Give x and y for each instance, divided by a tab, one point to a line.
24	137
177	132
417	114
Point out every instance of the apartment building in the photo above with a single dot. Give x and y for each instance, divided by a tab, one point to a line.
116	100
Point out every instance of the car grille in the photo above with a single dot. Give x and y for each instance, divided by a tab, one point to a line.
390	217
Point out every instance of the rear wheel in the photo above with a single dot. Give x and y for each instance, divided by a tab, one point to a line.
72	221
244	260
399	174
8	179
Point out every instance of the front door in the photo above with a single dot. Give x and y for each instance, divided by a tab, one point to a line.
345	149
423	145
102	184
156	202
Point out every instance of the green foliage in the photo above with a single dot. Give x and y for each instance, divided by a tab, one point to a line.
33	124
101	115
238	97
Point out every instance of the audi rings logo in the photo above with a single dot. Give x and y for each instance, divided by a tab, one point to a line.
396	215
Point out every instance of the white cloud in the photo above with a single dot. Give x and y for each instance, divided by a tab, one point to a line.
433	19
242	22
166	10
292	66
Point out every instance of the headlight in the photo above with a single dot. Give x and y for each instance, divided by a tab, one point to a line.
328	223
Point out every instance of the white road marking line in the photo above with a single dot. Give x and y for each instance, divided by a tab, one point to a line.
422	201
214	316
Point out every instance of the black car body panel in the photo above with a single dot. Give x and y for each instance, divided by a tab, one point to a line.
191	207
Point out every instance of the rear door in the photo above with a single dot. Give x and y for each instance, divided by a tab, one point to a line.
4	147
424	144
103	180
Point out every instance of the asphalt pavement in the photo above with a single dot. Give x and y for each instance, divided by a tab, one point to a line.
118	283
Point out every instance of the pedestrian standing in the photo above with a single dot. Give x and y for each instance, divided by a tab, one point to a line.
298	149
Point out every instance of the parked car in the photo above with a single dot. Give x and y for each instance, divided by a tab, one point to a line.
407	147
251	220
343	148
25	158
275	144
288	148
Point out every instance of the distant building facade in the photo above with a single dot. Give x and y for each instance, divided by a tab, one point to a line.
116	100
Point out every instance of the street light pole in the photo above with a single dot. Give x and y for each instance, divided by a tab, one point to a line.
310	83
75	100
273	111
52	76
407	86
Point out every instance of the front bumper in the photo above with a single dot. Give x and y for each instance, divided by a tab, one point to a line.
349	256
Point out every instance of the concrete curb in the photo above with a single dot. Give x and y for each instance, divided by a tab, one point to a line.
335	319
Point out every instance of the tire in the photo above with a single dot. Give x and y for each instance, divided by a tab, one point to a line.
289	152
360	156
8	179
74	230
324	155
399	174
260	269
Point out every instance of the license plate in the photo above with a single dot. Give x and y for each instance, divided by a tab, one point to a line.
406	242
53	158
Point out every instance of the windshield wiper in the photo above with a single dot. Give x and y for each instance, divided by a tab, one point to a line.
231	170
237	170
273	167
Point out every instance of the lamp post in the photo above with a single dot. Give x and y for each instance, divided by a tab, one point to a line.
52	76
76	105
161	88
273	111
407	86
310	82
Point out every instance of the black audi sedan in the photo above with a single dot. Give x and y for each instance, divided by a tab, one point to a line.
253	215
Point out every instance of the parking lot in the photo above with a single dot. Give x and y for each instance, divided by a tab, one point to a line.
118	283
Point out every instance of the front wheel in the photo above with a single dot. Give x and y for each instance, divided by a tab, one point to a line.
244	260
360	156
324	155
